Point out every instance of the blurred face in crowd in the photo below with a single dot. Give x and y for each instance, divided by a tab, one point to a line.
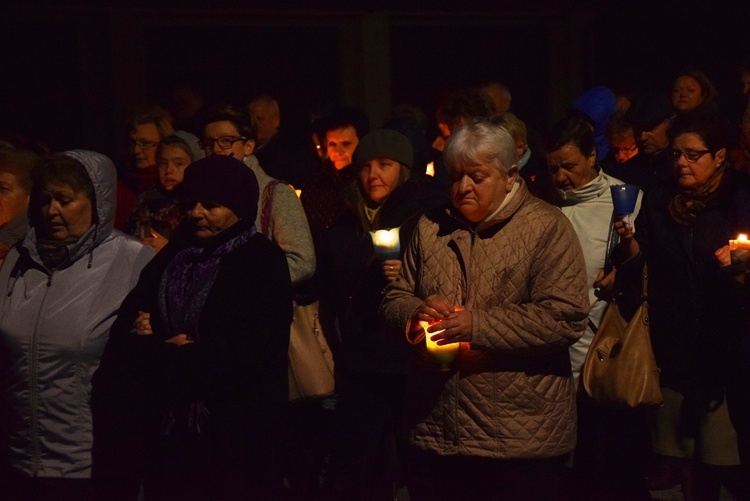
623	147
570	168
66	213
693	163
478	190
378	178
172	161
223	138
686	93
266	119
210	218
340	144
14	199
651	140
143	142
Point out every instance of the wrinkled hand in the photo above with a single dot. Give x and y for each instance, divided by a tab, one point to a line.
605	282
723	255
442	315
457	327
625	231
142	324
156	241
179	340
391	269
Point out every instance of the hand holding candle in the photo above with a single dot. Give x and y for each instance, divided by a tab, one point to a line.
386	243
457	327
740	250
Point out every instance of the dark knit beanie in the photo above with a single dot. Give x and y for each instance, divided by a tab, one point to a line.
384	143
224	180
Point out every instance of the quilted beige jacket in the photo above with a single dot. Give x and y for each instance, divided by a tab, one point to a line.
523	277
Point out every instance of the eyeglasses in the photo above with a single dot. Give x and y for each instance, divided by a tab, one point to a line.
690	155
224	142
143	145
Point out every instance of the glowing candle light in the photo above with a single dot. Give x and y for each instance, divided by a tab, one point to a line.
386	243
430	169
444	354
739	248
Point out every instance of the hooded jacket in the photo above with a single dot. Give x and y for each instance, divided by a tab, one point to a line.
54	324
521	274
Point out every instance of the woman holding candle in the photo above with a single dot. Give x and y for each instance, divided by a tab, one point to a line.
503	273
696	310
192	389
370	360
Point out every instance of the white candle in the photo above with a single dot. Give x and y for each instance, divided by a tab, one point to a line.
444	354
386	243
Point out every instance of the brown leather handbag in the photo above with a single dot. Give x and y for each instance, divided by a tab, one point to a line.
620	369
310	359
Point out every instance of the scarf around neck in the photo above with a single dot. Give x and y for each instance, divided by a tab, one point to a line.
685	207
188	279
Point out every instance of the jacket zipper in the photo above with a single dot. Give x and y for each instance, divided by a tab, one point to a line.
33	397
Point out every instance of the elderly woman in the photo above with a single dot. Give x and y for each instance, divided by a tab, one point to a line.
196	369
502	273
371	360
157	212
61	290
682	233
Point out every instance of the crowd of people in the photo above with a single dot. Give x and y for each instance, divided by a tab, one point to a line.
145	308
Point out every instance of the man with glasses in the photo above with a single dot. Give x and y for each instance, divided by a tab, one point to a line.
650	117
229	131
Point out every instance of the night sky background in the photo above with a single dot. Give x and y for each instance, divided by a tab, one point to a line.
69	92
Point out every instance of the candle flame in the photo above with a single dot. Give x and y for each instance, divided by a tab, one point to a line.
386	238
742	237
430	169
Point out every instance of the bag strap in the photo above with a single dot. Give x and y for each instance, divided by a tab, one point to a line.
266	204
612	240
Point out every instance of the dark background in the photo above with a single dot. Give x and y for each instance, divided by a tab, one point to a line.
71	71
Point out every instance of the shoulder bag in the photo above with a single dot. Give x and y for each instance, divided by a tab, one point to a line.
620	369
310	359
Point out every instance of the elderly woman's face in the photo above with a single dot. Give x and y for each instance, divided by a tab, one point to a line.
570	168
478	190
14	199
379	177
66	213
686	93
209	219
692	174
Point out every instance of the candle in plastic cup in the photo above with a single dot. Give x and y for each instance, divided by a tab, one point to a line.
386	244
444	354
624	198
740	250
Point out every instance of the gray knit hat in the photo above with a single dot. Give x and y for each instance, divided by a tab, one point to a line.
192	142
384	143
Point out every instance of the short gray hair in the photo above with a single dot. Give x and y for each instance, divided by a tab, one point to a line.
481	142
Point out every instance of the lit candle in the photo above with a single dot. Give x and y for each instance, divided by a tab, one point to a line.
739	248
298	192
444	354
430	169
386	243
